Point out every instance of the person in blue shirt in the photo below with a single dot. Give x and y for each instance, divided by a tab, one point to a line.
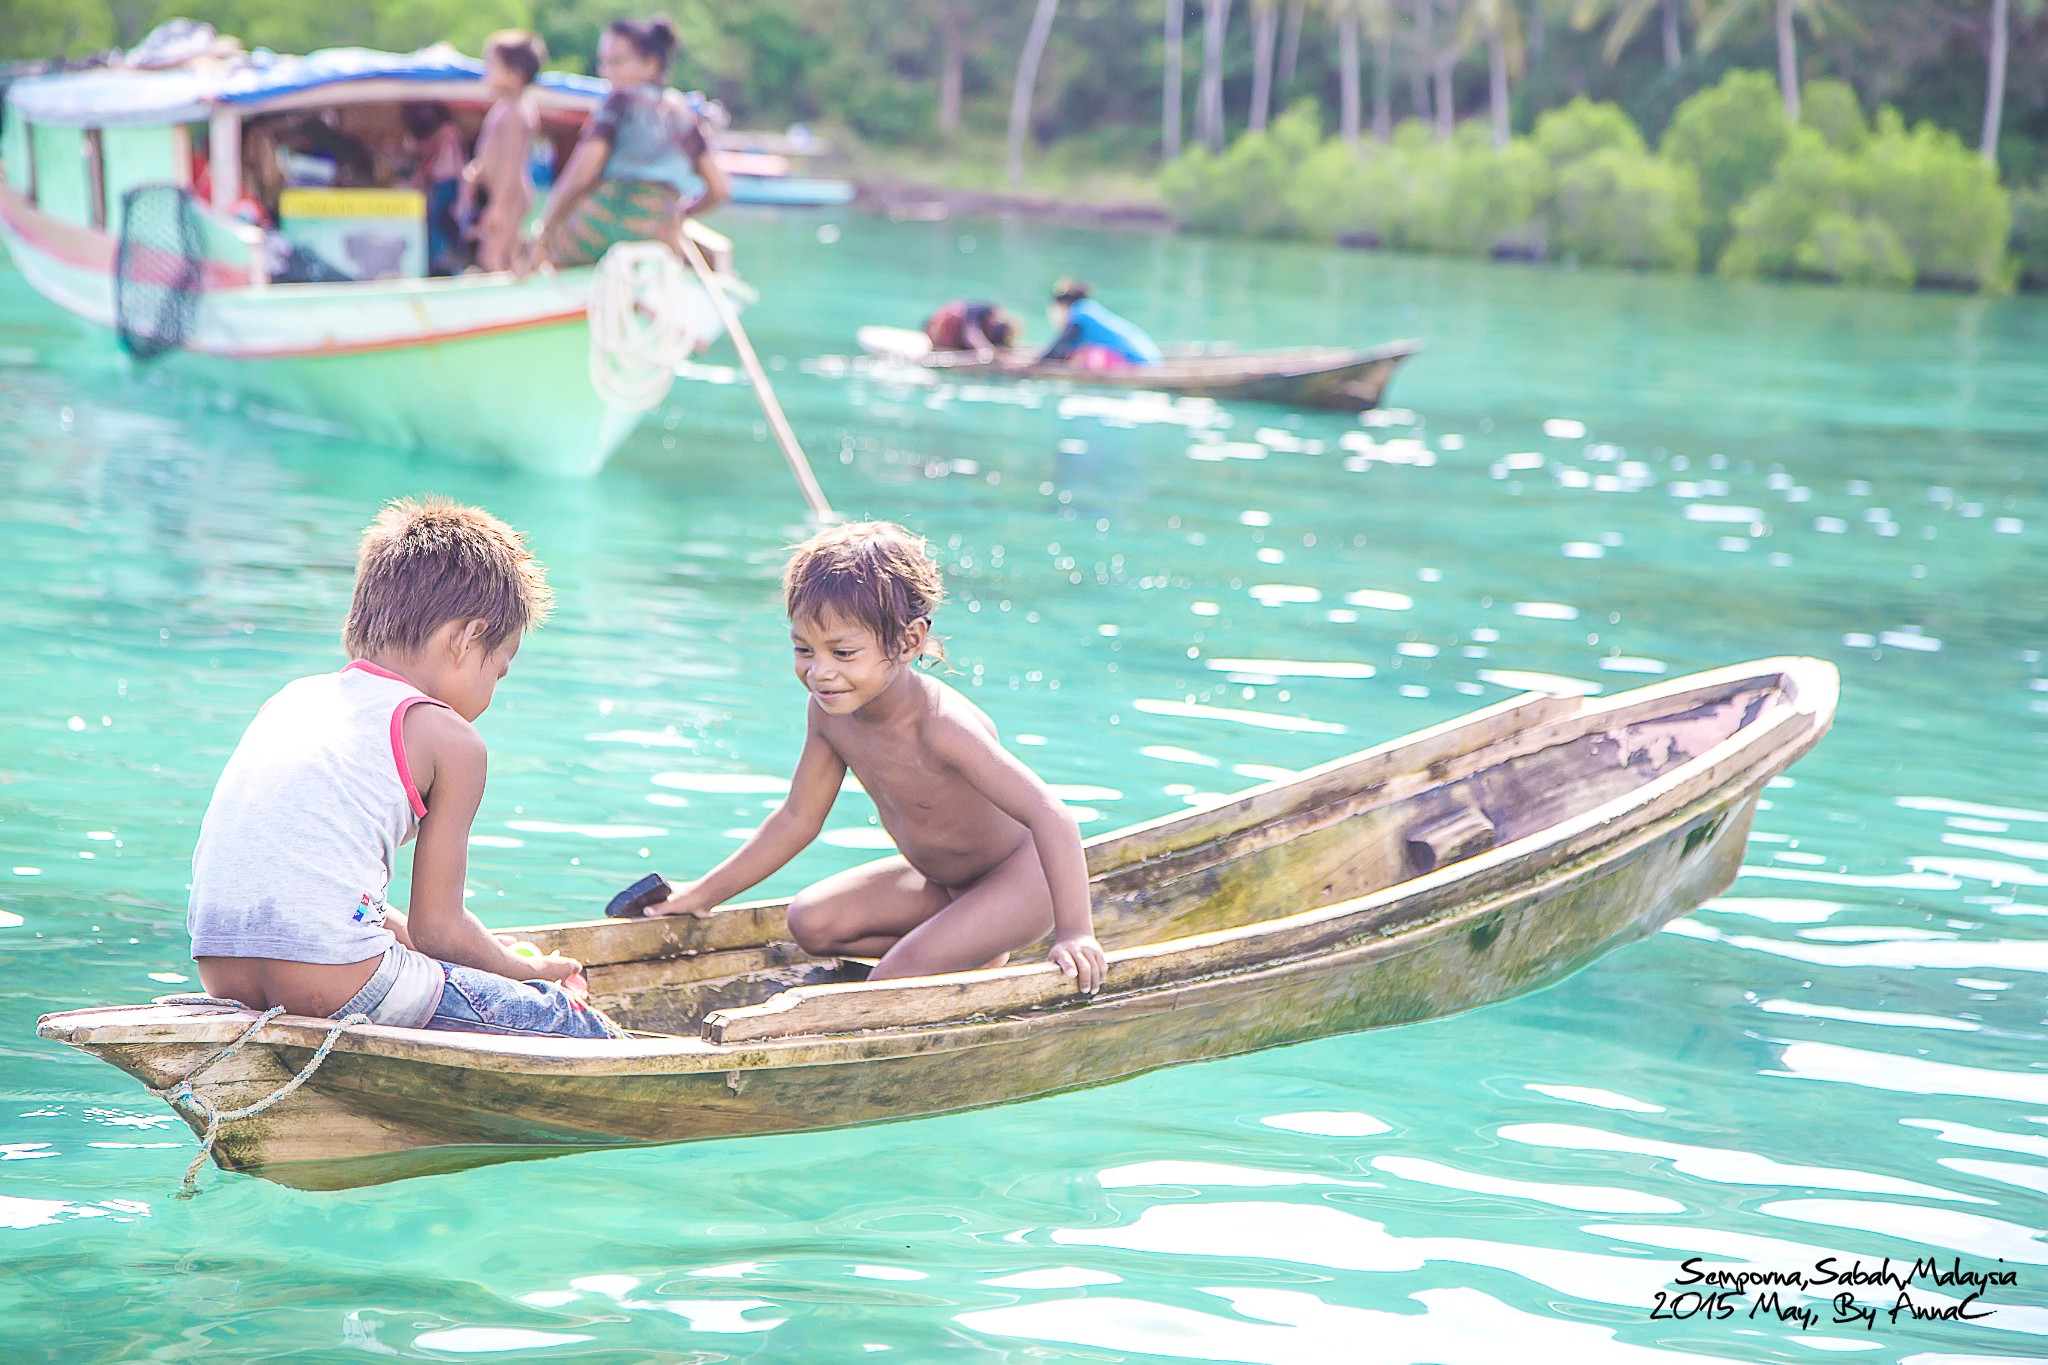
1090	337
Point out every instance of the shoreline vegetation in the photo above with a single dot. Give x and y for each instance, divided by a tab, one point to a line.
1878	143
1733	187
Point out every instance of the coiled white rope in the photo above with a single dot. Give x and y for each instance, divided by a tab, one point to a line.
639	324
182	1090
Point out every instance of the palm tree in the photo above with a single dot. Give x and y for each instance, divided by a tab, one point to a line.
1418	71
1169	113
1265	29
1721	16
952	59
1027	80
1443	61
1290	39
1994	86
1347	72
1209	104
1379	21
1625	19
1501	22
1375	18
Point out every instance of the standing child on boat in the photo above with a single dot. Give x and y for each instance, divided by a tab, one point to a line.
990	859
500	177
436	146
643	163
338	770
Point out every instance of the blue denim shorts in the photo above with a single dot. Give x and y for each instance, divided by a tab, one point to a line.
484	1002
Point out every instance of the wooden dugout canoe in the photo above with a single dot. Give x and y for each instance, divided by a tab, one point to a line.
1460	865
1343	379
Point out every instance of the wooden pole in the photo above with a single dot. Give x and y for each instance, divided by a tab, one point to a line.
821	510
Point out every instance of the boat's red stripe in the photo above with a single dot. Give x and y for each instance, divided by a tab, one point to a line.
400	343
85	248
94	251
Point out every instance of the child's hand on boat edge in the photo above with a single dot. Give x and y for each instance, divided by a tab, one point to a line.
1080	960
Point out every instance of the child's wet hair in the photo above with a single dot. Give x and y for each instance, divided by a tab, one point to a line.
873	573
521	52
427	561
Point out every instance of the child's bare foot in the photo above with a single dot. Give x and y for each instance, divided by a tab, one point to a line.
1000	960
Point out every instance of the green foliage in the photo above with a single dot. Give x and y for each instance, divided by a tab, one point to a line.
1854	251
2030	236
31	30
1582	127
1830	108
1627	208
1417	193
1812	180
1941	198
1910	207
1731	135
395	25
1245	190
1485	194
1347	192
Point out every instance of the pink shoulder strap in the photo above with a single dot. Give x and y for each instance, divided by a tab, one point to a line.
412	793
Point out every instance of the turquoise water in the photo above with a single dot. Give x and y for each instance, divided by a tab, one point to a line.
1843	1056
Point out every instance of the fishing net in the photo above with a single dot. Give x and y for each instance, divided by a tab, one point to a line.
158	273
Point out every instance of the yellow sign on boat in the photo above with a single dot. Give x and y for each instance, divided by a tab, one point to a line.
328	203
367	234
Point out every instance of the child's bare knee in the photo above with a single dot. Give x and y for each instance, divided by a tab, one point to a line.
809	927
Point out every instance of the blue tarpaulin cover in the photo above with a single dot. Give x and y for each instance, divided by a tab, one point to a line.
110	97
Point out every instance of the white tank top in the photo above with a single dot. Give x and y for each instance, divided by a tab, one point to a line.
296	850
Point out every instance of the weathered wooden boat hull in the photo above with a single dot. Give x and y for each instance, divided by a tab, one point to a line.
1337	379
390	1102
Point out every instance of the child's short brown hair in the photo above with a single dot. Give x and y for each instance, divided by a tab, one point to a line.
427	561
874	573
521	52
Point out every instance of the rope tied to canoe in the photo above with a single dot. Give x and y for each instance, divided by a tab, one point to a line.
182	1090
640	330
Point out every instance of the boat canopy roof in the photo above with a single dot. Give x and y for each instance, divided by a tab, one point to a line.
114	96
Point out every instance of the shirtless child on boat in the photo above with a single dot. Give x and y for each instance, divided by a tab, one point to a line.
990	859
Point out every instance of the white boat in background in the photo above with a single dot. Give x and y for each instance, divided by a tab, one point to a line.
474	364
761	169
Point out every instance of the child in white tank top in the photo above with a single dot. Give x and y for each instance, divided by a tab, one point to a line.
340	770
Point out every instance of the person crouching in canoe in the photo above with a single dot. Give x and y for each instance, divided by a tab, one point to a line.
634	175
990	859
969	325
1090	337
339	770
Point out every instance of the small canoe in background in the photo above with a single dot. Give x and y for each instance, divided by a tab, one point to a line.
790	191
1464	864
1332	377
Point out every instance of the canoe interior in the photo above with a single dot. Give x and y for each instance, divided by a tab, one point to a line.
1352	828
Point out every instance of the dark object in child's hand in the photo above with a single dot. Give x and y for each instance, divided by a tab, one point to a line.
651	889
